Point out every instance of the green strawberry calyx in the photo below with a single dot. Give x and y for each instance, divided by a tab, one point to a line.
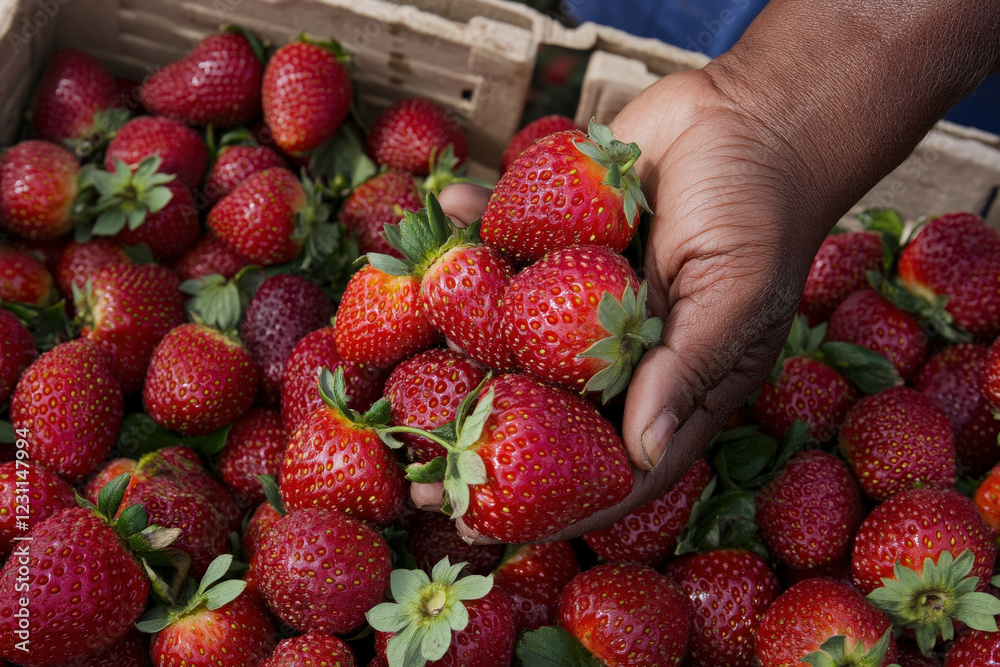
445	170
255	44
125	197
212	593
619	159
333	391
426	611
930	309
218	302
833	653
927	602
272	494
319	237
106	124
550	646
631	331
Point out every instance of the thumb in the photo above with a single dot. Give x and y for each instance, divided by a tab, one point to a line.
464	202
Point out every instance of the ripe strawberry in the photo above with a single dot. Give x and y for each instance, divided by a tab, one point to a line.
810	510
80	261
210	255
987	499
555	195
281	312
306	94
47	250
132	650
729	591
412	132
170	231
235	164
379	201
950	378
314	648
181	149
218	83
649	534
472	621
974	648
989	376
531	133
534	575
39	183
578	318
920	556
866	319
957	255
255	446
74	99
24	279
804	619
336	460
425	392
627	615
320	570
71	406
127	311
199	380
29	494
897	440
806	390
910	656
431	536
300	383
260	522
839	269
17	351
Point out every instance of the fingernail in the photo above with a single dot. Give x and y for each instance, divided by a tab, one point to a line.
656	437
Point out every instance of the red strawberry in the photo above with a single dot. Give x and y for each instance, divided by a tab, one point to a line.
379	201
300	383
807	390
218	83
413	131
169	232
866	319
989	376
471	620
534	575
729	591
29	494
957	255
80	261
627	615
987	499
839	269
74	98
810	510
431	536
281	312
809	614
47	250
910	656
425	392
554	195
897	440
39	183
336	460
531	133
314	648
71	406
181	149
127	312
235	164
210	255
17	351
306	95
199	380
132	650
320	570
260	522
974	648
24	279
649	534
255	446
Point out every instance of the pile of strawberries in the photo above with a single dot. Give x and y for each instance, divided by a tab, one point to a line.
237	326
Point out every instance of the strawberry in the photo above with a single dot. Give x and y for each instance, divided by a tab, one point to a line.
199	380
218	83
209	255
320	570
578	318
127	311
957	255
806	618
531	133
80	261
973	648
47	250
924	556
132	650
235	164
307	94
806	390
627	615
910	656
950	378
39	183
379	201
649	534
260	522
839	269
471	621
181	149
29	494
75	100
300	382
729	591
989	377
335	460
281	312
170	231
987	499
534	575
425	392
431	536
314	648
563	191
255	446
866	319
17	351
70	404
413	132
810	510
897	440
24	279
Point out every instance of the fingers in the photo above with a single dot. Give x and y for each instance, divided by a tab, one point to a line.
464	202
427	496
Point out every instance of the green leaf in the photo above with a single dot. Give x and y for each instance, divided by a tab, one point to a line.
473	587
7	435
390	265
272	493
435	641
110	222
154	620
869	371
333	391
429	472
222	594
109	499
407	584
470	428
471	467
132	520
139	434
216	570
744	459
724	521
455	488
553	647
388	617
